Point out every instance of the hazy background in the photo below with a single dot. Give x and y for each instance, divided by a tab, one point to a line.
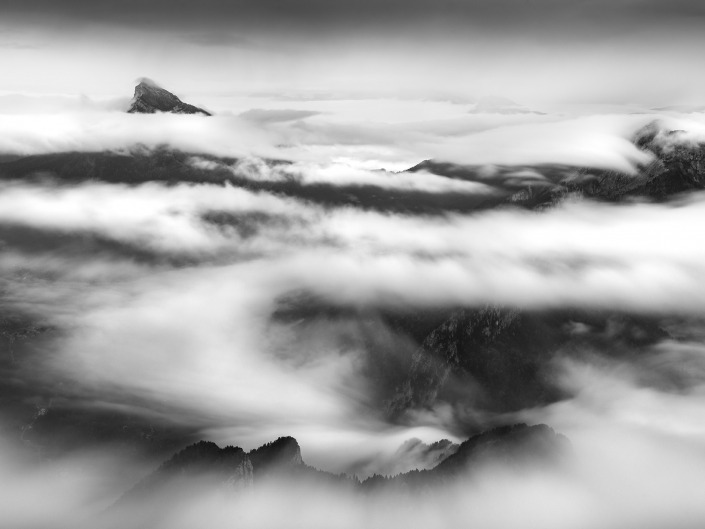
538	52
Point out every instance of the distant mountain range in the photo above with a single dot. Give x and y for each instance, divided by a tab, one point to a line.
676	167
232	468
685	109
500	105
203	469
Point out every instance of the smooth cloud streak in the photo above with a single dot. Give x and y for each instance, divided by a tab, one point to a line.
597	141
578	253
158	332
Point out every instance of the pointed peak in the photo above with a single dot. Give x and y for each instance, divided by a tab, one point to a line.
285	450
150	98
147	82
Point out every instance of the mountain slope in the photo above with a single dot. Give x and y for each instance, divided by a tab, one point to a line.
515	446
502	358
205	462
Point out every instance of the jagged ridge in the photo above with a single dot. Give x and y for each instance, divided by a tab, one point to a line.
232	467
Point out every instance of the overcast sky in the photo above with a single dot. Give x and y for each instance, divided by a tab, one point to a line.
534	51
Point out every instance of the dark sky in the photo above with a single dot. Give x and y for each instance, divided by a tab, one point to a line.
262	15
601	50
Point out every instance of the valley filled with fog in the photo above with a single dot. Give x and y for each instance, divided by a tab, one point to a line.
263	289
336	266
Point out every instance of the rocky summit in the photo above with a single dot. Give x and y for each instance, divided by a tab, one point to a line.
150	98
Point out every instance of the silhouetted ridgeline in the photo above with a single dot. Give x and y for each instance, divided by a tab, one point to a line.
170	166
230	468
514	446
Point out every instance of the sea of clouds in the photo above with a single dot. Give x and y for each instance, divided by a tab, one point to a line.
157	301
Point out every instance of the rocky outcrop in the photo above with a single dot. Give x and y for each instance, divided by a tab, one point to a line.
150	98
677	165
499	358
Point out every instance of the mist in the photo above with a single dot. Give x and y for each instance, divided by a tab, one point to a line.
577	253
152	317
404	225
625	473
601	141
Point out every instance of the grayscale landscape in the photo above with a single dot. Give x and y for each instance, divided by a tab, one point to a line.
332	264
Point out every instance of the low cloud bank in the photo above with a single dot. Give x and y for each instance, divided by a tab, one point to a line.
620	478
345	175
596	141
199	336
22	104
190	326
639	256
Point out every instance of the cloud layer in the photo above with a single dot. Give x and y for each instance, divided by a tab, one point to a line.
200	336
599	141
167	295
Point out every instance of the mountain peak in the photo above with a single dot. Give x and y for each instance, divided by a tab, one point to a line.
515	444
284	452
148	82
150	98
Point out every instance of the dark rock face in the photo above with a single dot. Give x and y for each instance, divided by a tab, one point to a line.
501	359
677	166
474	361
500	351
150	98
